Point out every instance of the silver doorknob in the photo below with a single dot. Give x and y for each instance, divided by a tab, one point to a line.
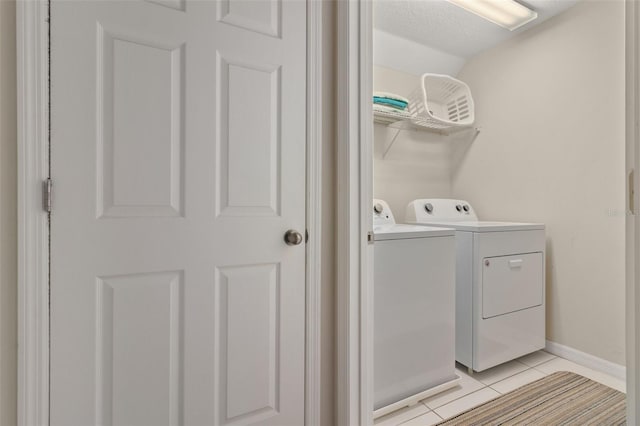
292	237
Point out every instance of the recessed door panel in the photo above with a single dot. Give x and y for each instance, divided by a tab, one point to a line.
248	329
140	139
139	349
249	143
173	4
511	283
260	16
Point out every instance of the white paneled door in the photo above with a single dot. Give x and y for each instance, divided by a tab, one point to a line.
178	162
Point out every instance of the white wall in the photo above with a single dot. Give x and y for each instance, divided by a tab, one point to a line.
551	106
392	51
417	165
8	246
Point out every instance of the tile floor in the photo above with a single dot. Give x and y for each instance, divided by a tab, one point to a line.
481	387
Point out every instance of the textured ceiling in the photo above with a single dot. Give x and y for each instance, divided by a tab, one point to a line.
449	28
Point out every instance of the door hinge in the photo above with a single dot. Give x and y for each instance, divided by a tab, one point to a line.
631	192
47	188
370	237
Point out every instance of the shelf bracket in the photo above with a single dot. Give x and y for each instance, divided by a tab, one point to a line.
388	147
475	134
475	130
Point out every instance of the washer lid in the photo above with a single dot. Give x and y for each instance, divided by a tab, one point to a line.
402	232
480	226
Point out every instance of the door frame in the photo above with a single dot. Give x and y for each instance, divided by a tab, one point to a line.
33	228
632	219
354	293
32	38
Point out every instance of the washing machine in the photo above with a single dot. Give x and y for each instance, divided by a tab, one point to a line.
414	305
500	276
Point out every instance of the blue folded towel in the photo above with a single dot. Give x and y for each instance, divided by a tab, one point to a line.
389	95
391	102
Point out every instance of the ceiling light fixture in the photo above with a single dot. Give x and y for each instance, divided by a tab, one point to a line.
508	14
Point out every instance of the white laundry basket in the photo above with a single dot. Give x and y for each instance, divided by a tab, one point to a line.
441	102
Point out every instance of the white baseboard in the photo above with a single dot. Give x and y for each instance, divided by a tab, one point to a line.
587	360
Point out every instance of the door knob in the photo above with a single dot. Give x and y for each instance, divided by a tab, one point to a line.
292	237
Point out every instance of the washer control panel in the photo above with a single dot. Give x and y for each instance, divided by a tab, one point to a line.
439	210
382	214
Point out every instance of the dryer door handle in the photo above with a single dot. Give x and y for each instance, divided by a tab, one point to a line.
515	264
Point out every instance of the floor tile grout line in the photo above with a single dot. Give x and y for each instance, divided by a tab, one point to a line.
491	387
479	389
420	415
549	360
429	410
455	399
413	418
463	396
508	377
499	394
543	372
543	362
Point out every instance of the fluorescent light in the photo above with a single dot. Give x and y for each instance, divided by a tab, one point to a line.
506	13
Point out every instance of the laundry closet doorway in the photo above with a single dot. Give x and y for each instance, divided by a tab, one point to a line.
361	42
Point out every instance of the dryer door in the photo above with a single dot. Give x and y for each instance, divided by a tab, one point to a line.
511	283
